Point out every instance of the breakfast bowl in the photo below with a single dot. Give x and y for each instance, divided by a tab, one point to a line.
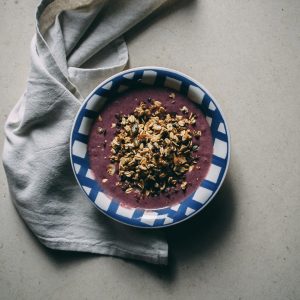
150	147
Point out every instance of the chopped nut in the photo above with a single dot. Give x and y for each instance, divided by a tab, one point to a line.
172	96
127	128
191	168
184	109
195	147
197	133
169	127
99	118
181	123
100	130
156	127
183	185
156	103
135	129
111	169
131	119
113	125
104	180
129	190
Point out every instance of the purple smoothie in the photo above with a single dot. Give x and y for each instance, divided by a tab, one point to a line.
99	146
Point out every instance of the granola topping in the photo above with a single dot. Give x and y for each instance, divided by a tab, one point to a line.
153	150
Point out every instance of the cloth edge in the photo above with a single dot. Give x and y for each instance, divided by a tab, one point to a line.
160	257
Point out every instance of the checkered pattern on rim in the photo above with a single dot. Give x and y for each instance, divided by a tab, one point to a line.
154	217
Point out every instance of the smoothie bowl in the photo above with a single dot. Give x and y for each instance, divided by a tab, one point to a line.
150	147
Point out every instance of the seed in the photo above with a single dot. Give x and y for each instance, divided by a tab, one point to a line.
104	180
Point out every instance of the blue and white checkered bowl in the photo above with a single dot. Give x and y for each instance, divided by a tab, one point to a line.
89	111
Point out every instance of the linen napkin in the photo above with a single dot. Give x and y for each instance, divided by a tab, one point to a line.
77	44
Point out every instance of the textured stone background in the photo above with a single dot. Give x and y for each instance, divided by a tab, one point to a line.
246	244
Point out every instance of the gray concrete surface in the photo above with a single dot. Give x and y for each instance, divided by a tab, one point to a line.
246	244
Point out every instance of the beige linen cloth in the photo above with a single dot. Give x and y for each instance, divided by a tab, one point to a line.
77	44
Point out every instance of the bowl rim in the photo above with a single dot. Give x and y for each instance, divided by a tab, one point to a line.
143	68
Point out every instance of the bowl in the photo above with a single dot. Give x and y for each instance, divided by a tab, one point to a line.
89	111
